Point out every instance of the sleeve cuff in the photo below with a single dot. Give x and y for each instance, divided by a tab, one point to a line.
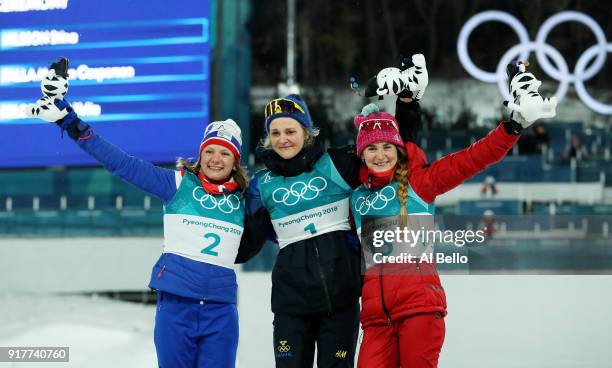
512	127
78	130
411	106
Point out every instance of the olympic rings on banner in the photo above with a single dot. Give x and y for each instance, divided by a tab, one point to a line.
559	71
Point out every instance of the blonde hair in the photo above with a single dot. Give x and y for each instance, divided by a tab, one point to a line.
239	174
400	175
309	138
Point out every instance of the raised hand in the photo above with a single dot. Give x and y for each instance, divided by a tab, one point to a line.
388	81
47	109
528	105
55	84
53	107
410	80
415	76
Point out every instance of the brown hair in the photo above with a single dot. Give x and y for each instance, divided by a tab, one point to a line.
238	172
401	176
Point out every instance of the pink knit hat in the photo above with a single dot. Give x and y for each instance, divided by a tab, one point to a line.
375	126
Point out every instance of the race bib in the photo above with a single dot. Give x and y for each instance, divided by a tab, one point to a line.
202	239
312	222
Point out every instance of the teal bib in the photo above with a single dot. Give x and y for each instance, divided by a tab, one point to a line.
384	202
308	204
202	226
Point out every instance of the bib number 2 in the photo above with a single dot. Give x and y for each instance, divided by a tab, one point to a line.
216	239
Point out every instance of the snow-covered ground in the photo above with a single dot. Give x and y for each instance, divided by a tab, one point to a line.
99	332
493	321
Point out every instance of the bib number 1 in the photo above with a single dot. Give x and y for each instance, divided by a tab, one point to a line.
311	227
216	239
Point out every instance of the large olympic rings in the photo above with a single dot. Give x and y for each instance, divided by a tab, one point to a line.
560	71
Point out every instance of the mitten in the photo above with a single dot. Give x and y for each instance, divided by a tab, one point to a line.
415	76
528	105
61	113
55	84
387	82
410	80
47	110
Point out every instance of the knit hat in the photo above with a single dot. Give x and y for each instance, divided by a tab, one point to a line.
375	126
291	106
224	133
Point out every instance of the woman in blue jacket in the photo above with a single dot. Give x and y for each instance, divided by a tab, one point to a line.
196	324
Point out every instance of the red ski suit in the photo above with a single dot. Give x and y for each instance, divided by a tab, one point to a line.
402	314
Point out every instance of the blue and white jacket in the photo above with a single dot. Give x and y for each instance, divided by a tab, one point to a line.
202	232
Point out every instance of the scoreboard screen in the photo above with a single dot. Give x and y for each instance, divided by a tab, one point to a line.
139	75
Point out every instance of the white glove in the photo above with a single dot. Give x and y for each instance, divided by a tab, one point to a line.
416	77
531	109
389	82
528	105
55	84
408	81
46	109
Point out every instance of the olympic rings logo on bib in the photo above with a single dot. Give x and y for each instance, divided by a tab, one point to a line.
300	190
223	202
543	51
377	201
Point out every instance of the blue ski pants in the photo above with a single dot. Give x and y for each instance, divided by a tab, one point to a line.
191	333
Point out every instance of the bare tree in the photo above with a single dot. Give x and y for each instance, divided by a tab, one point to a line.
390	27
428	11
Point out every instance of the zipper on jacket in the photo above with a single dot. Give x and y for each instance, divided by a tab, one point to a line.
327	298
382	298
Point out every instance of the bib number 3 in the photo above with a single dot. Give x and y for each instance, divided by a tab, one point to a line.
216	239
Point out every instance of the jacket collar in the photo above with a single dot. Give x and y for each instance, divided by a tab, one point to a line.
302	162
375	180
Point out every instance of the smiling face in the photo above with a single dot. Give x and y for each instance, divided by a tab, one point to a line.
380	156
216	162
287	137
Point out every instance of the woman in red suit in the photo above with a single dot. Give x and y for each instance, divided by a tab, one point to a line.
403	310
